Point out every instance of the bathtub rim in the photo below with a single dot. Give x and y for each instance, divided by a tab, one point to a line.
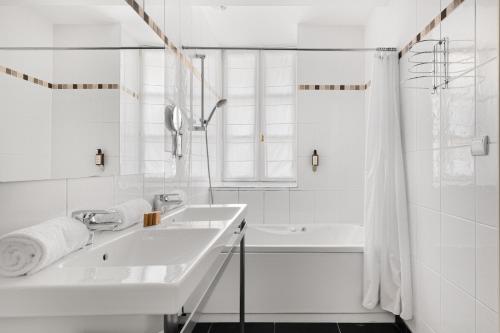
299	248
303	249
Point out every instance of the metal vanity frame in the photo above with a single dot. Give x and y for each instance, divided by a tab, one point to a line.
171	321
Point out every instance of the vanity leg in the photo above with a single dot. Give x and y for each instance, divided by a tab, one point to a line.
170	323
242	285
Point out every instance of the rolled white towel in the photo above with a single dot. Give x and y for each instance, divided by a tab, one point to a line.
132	212
28	250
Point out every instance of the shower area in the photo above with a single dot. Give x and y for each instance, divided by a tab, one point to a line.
290	143
295	141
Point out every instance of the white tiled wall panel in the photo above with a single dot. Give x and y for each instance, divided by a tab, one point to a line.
331	122
28	203
454	194
277	206
255	202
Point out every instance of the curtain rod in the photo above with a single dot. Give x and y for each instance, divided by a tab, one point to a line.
77	48
185	47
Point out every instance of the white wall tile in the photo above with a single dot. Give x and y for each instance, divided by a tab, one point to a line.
308	139
301	207
429	285
225	197
28	203
276	207
127	188
90	193
486	320
325	206
429	238
321	36
487	20
465	191
309	179
255	202
487	266
428	181
153	184
349	206
487	187
458	310
427	118
457	182
458	112
426	11
487	98
457	102
458	252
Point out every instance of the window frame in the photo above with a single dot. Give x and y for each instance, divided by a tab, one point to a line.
260	123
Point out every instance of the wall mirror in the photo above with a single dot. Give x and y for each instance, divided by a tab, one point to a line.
74	77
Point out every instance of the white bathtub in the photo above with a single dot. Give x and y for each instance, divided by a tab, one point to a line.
307	272
314	238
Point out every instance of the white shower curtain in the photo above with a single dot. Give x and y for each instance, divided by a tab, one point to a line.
387	276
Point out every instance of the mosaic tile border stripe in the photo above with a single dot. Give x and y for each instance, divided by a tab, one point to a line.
25	77
157	30
334	86
81	86
429	27
66	86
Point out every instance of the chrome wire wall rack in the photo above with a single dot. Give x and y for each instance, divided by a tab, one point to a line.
433	65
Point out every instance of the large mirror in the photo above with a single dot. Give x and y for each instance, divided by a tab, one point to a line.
73	78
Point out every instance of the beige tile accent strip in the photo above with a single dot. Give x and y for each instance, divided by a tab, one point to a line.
334	86
80	86
25	77
182	57
65	86
429	27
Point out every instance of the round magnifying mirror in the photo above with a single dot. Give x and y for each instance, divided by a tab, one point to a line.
173	118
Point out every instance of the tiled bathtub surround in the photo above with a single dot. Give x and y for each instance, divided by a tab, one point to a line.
432	24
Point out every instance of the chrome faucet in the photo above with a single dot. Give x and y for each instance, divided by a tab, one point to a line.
98	219
167	202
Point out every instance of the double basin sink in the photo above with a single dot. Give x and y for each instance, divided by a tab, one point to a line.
140	270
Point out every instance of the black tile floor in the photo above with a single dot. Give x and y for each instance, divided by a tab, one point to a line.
297	328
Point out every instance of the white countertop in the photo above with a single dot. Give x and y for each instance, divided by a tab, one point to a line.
149	270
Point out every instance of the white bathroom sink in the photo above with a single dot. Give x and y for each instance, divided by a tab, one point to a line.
148	247
135	271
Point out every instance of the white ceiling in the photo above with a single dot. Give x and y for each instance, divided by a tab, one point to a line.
274	22
226	22
336	3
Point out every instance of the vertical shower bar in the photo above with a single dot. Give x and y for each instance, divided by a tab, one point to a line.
202	118
446	62
434	69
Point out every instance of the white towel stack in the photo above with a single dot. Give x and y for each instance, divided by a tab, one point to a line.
28	250
132	212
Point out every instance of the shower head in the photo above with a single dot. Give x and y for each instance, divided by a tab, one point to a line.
219	104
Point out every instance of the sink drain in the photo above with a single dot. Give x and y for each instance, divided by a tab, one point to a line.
105	257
